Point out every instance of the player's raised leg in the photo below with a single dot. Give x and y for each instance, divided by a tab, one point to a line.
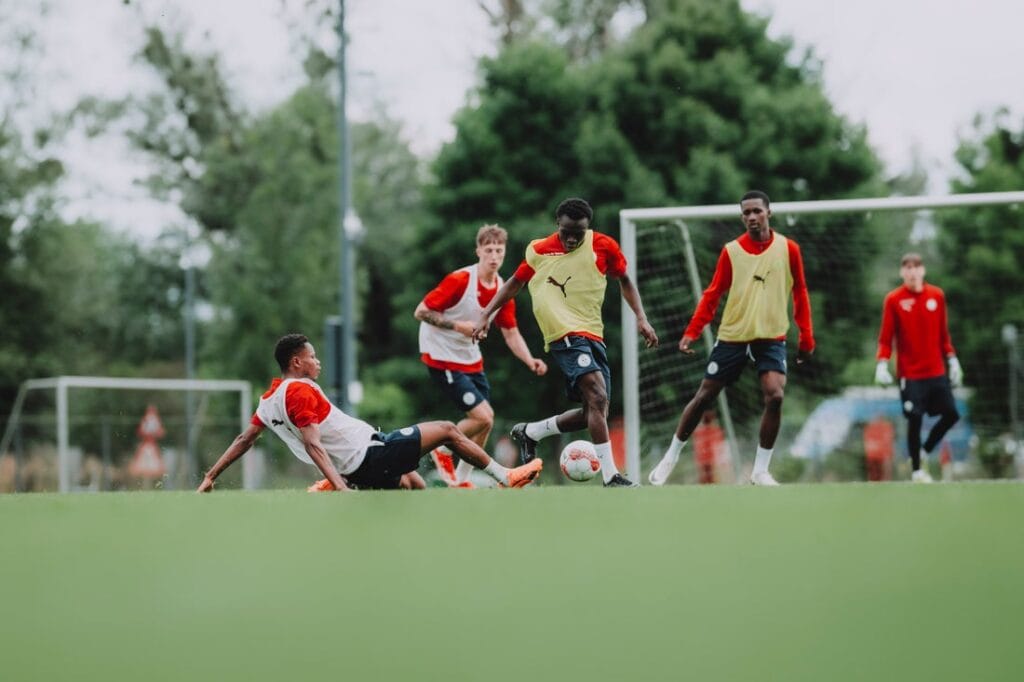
434	434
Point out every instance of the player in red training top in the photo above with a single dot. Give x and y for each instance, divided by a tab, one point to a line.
915	314
349	452
453	359
759	270
567	273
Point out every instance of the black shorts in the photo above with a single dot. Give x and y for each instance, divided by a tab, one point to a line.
464	391
578	355
932	396
728	359
390	457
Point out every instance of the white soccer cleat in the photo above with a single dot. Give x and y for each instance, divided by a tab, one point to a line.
921	476
660	473
763	478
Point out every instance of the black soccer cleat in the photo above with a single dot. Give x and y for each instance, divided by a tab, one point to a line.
620	481
527	445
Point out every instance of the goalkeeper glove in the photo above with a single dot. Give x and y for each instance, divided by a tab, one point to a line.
882	375
956	372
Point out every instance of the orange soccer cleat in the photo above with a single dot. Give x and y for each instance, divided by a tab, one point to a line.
468	485
445	464
525	474
321	486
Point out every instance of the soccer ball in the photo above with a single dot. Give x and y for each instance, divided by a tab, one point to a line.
579	461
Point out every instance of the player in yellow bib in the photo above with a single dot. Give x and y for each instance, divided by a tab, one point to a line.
567	274
759	270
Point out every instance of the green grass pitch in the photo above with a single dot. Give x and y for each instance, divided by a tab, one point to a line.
803	582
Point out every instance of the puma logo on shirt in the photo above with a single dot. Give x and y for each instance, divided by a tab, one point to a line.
552	280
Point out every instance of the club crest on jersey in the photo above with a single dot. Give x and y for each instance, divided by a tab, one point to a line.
712	368
931	305
468	398
584	360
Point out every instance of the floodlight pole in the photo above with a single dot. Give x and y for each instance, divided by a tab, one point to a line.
349	228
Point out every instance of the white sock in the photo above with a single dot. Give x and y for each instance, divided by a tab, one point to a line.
497	472
463	471
672	454
604	453
762	460
542	429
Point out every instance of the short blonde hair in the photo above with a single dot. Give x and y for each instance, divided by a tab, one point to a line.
491	233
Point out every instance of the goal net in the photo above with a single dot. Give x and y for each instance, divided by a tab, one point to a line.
106	433
851	252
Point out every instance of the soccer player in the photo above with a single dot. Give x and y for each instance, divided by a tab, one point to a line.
759	270
447	315
567	274
348	451
915	314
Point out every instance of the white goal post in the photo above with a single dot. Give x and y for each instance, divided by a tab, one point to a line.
61	385
678	217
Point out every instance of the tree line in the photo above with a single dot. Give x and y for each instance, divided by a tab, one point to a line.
693	105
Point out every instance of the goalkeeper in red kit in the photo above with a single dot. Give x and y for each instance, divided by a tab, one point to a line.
915	314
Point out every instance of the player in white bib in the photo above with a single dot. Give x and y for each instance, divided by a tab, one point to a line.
349	452
453	359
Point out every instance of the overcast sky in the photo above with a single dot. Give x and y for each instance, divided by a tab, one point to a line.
914	71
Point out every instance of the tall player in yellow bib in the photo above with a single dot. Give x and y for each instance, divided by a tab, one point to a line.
759	270
567	274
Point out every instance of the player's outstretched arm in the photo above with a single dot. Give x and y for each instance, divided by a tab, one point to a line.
505	294
238	447
632	297
517	344
316	452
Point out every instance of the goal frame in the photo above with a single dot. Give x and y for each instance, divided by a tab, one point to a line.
629	218
62	384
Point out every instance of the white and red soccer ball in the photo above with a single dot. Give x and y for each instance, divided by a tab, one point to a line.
579	461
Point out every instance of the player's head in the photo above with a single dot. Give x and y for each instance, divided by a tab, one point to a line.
755	210
295	355
912	271
573	218
491	241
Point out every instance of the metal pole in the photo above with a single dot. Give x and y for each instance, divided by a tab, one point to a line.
63	461
630	361
346	356
190	372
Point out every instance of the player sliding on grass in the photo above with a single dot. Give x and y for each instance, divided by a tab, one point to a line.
456	366
317	432
915	314
567	273
759	270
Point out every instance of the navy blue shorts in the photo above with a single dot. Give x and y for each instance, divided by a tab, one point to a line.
390	457
934	396
464	391
578	355
728	359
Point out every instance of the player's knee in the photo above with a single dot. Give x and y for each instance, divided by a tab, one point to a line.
486	418
773	398
597	401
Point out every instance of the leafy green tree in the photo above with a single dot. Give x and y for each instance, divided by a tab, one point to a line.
982	266
695	106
